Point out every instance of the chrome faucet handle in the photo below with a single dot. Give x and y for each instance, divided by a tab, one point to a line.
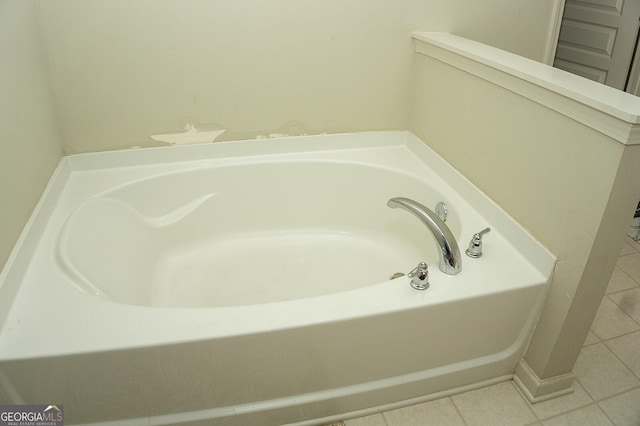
420	276
475	245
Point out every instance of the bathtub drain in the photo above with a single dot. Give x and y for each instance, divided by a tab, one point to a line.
396	275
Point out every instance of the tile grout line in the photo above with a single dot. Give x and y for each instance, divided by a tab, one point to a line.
618	394
633	243
593	402
622	362
620	335
623	311
524	398
455	406
603	339
605	414
606	345
610	397
596	401
625	274
384	418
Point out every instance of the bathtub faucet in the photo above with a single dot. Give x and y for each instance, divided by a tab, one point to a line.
450	259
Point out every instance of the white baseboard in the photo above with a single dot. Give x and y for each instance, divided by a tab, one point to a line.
538	390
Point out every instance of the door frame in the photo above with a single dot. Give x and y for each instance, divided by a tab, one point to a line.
554	31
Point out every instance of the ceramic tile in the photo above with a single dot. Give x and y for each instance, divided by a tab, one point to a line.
629	302
373	420
591	339
627	348
590	415
553	407
635	245
601	373
438	412
624	409
620	281
627	249
611	321
630	265
500	404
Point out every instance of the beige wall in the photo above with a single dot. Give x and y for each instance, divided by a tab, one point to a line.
122	70
572	187
30	144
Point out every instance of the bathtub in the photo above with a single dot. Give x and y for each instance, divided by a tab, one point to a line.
250	283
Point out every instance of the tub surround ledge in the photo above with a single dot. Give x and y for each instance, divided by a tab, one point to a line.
602	108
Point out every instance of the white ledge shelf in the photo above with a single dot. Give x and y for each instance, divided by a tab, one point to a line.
605	109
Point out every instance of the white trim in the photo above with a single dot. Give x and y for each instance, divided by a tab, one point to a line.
602	108
536	389
554	32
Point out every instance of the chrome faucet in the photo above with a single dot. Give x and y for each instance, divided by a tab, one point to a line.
420	276
450	259
475	245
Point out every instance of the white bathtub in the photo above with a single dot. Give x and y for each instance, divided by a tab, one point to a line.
249	283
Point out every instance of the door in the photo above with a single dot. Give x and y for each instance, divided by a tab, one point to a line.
598	39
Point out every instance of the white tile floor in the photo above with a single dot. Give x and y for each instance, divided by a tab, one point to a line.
607	387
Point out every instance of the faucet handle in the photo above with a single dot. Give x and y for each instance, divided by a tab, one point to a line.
475	245
420	276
